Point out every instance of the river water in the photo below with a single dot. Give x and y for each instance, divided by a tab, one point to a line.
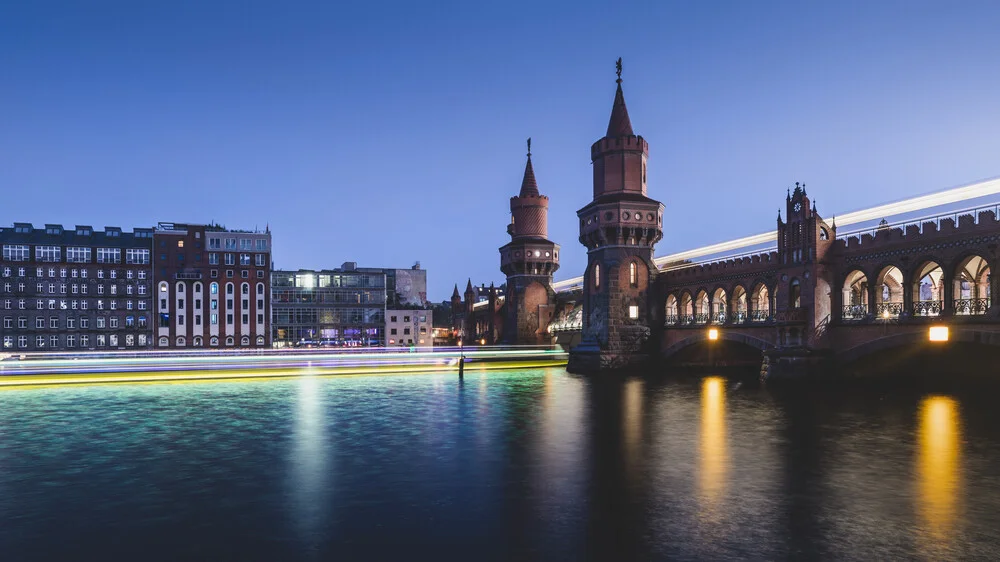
531	465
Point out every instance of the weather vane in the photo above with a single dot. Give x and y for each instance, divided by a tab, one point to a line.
529	147
618	69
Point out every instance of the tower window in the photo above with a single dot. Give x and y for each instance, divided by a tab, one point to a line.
597	275
633	312
633	275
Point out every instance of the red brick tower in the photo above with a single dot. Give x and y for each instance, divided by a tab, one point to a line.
619	228
528	260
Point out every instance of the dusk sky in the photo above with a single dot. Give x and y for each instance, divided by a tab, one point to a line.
388	134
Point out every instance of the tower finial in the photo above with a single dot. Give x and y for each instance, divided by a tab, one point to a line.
618	70
529	147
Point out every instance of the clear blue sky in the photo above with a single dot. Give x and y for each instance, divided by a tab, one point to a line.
386	134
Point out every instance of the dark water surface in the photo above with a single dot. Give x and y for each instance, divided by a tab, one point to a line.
533	465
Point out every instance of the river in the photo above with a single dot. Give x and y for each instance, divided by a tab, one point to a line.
515	465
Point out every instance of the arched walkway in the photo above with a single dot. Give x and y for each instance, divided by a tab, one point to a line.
719	305
701	308
927	290
972	286
739	305
761	301
671	310
855	295
889	293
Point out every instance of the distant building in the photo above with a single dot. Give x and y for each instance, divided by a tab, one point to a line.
335	307
212	286
406	287
77	289
406	328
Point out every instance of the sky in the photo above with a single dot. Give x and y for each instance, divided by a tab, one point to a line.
390	133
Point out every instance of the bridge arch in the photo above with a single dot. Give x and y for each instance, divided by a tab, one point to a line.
914	338
700	336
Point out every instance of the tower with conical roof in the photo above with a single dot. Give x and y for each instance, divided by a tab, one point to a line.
528	261
619	227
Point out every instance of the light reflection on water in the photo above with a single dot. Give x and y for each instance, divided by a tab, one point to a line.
533	465
938	470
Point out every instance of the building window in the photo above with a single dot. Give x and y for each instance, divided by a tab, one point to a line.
230	259
84	322
213	259
215	243
597	275
633	312
16	252
259	260
54	322
109	255
633	274
244	259
39	341
39	323
113	322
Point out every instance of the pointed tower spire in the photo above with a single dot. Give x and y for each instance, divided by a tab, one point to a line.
455	294
619	125
529	187
468	287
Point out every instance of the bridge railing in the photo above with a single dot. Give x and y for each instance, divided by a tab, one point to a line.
701	318
854	312
738	317
760	316
927	308
919	222
888	309
967	307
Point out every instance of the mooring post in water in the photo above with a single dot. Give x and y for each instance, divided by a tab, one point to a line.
461	367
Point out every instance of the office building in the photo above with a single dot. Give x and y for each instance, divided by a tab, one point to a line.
409	328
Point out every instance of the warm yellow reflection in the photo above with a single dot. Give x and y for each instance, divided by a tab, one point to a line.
714	461
938	464
632	421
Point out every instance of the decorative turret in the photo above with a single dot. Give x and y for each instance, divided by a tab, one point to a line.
619	228
528	260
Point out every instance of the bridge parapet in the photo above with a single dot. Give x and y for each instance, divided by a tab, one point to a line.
921	231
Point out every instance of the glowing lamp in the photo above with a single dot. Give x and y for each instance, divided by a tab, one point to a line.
713	334
938	333
885	314
482	341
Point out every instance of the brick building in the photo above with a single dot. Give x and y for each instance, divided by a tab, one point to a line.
212	286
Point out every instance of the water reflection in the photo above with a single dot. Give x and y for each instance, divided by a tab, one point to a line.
632	415
310	463
713	446
938	468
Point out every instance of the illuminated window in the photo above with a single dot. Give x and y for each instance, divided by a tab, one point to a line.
633	312
633	275
597	275
180	244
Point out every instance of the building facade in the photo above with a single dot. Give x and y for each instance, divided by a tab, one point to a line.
212	287
77	289
409	328
336	307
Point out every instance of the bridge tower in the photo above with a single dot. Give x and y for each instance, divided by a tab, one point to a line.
619	228
468	334
803	298
528	261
